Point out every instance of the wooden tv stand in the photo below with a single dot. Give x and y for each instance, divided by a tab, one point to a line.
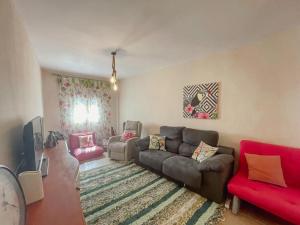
61	204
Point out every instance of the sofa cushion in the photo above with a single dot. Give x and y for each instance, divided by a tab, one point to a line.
283	202
173	145
183	169
173	137
83	154
186	149
154	158
194	137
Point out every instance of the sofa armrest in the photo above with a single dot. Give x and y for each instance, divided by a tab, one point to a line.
131	147
131	143
114	139
132	140
216	163
225	150
143	144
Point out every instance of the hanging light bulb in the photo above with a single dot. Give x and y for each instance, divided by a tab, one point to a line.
115	87
113	79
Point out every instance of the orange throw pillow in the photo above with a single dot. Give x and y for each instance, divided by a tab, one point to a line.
265	168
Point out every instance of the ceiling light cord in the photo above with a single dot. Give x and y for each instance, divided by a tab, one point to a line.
113	78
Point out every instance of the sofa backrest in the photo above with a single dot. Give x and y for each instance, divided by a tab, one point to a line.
191	139
173	137
133	125
290	159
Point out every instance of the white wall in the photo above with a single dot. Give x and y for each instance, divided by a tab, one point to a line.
20	84
259	96
51	101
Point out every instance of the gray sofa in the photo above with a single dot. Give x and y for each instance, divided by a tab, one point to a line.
208	178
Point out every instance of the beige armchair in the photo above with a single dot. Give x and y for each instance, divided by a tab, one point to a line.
124	151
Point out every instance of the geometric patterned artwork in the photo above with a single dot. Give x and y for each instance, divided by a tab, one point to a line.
201	101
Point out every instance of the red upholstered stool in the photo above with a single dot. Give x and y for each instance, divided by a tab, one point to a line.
87	153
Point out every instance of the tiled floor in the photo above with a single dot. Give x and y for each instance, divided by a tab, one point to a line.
248	215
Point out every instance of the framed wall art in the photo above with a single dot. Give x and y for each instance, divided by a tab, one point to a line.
201	101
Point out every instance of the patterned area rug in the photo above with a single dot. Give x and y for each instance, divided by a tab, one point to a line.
129	194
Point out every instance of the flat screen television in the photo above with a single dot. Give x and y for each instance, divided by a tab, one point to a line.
33	139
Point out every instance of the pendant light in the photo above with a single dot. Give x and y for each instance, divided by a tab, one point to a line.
113	78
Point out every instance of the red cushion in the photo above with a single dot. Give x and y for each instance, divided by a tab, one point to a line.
74	139
265	168
83	154
128	134
283	202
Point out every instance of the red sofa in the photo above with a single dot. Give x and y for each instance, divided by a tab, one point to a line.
83	154
283	202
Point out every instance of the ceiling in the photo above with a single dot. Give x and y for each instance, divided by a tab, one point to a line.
77	35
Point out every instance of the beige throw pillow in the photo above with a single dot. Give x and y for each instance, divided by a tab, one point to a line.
204	151
157	142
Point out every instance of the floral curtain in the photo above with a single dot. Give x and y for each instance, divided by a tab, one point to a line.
85	105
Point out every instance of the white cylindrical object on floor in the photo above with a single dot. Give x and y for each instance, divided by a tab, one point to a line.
32	185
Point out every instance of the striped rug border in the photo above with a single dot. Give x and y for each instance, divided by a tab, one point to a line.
207	213
104	185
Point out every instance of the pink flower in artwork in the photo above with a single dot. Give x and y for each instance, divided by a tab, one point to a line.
202	115
189	108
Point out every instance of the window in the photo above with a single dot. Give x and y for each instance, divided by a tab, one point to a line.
93	114
86	112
